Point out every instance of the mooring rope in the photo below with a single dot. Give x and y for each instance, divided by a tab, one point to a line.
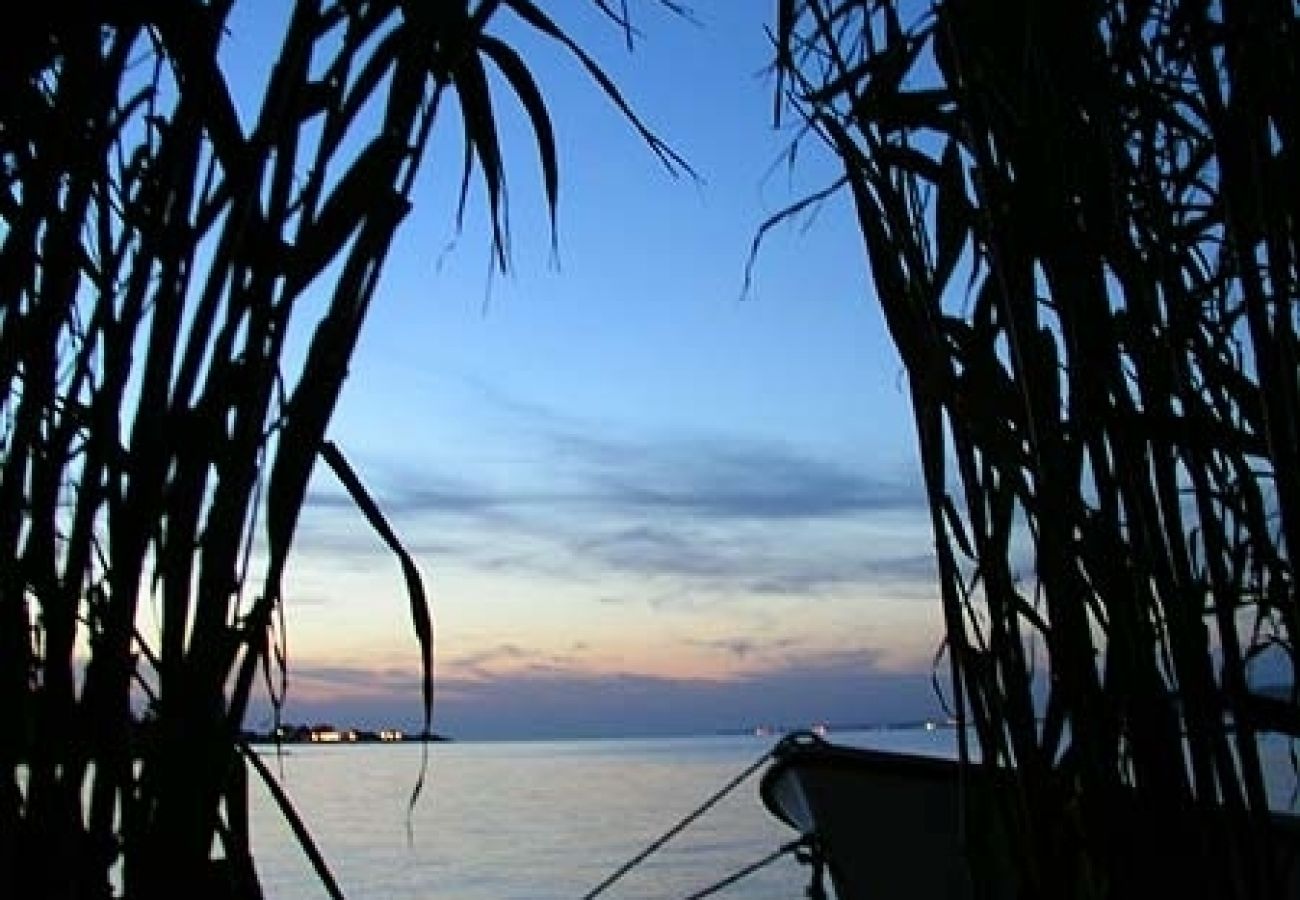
681	826
802	844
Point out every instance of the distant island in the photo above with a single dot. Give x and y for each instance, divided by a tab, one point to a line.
330	734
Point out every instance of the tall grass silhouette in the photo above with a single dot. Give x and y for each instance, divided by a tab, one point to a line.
157	253
1081	225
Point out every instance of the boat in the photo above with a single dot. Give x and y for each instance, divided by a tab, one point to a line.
886	824
896	825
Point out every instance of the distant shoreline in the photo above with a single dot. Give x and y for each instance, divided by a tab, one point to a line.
328	735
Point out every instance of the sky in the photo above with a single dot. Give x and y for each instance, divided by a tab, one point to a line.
645	497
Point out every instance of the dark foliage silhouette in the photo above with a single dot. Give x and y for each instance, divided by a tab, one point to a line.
157	252
1081	225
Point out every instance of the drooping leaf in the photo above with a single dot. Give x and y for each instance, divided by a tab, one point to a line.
421	620
521	80
530	13
482	142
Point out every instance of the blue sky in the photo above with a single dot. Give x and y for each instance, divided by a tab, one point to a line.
644	500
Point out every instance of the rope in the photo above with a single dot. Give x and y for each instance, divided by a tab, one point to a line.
744	872
681	826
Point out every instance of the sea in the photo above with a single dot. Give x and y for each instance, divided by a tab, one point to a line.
553	819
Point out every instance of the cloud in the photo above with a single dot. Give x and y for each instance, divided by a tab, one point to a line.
610	600
658	550
480	664
726	478
319	686
414	492
773	565
743	647
835	573
491	662
729	479
912	567
694	515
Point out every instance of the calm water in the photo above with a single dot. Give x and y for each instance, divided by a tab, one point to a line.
544	819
